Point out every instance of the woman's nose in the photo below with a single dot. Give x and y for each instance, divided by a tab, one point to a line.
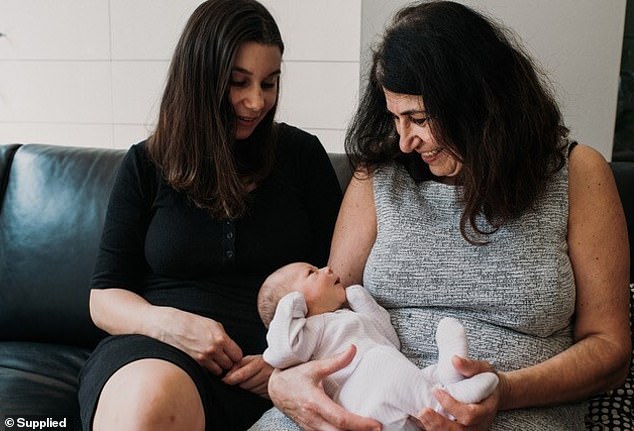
254	99
407	141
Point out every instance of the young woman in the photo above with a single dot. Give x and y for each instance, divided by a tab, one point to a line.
217	198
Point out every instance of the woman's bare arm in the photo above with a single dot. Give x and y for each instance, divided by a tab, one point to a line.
599	253
355	231
119	311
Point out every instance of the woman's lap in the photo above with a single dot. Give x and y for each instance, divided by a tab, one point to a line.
226	407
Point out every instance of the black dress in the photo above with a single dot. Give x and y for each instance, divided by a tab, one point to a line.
158	244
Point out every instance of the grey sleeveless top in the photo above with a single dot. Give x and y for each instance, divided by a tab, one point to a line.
515	295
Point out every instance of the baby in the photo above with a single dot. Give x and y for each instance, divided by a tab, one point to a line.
311	315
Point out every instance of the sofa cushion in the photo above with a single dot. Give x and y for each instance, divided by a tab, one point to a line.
342	167
624	177
50	224
40	379
6	155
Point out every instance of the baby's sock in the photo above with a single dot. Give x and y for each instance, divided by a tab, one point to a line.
474	389
451	340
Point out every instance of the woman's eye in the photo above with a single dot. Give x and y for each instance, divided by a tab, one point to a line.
268	85
237	83
419	121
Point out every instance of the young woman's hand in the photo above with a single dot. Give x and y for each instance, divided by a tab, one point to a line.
478	416
120	311
299	393
252	374
202	338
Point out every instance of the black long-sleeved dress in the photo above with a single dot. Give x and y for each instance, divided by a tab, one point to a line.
159	245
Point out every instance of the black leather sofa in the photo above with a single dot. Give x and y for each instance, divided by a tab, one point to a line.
52	204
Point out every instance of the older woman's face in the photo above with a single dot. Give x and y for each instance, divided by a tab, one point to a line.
254	80
412	126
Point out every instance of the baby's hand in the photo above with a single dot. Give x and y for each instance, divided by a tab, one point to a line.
357	296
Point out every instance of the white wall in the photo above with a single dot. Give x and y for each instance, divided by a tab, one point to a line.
91	72
576	42
321	65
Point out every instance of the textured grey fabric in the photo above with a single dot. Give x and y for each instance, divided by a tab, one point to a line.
274	420
514	295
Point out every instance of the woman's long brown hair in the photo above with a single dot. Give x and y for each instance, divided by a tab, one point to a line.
194	141
489	105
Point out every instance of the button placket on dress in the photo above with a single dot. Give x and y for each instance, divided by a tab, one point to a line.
229	242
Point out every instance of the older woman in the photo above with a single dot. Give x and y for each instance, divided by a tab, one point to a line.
469	201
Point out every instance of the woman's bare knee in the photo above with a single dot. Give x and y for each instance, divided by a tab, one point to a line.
149	394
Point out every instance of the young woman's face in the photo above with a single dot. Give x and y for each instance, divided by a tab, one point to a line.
253	87
412	126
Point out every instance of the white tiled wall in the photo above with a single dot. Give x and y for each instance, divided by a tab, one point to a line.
323	31
137	87
92	72
55	81
56	92
54	30
147	29
320	77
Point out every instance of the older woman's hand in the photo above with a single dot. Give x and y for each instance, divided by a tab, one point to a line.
478	416
299	393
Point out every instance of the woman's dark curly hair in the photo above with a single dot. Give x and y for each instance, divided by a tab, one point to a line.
194	140
491	108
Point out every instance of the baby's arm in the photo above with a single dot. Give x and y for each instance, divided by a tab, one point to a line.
290	340
360	301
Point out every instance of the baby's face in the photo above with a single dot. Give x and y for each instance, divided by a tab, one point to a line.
321	288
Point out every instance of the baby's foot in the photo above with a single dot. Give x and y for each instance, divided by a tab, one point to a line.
469	391
451	340
474	389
